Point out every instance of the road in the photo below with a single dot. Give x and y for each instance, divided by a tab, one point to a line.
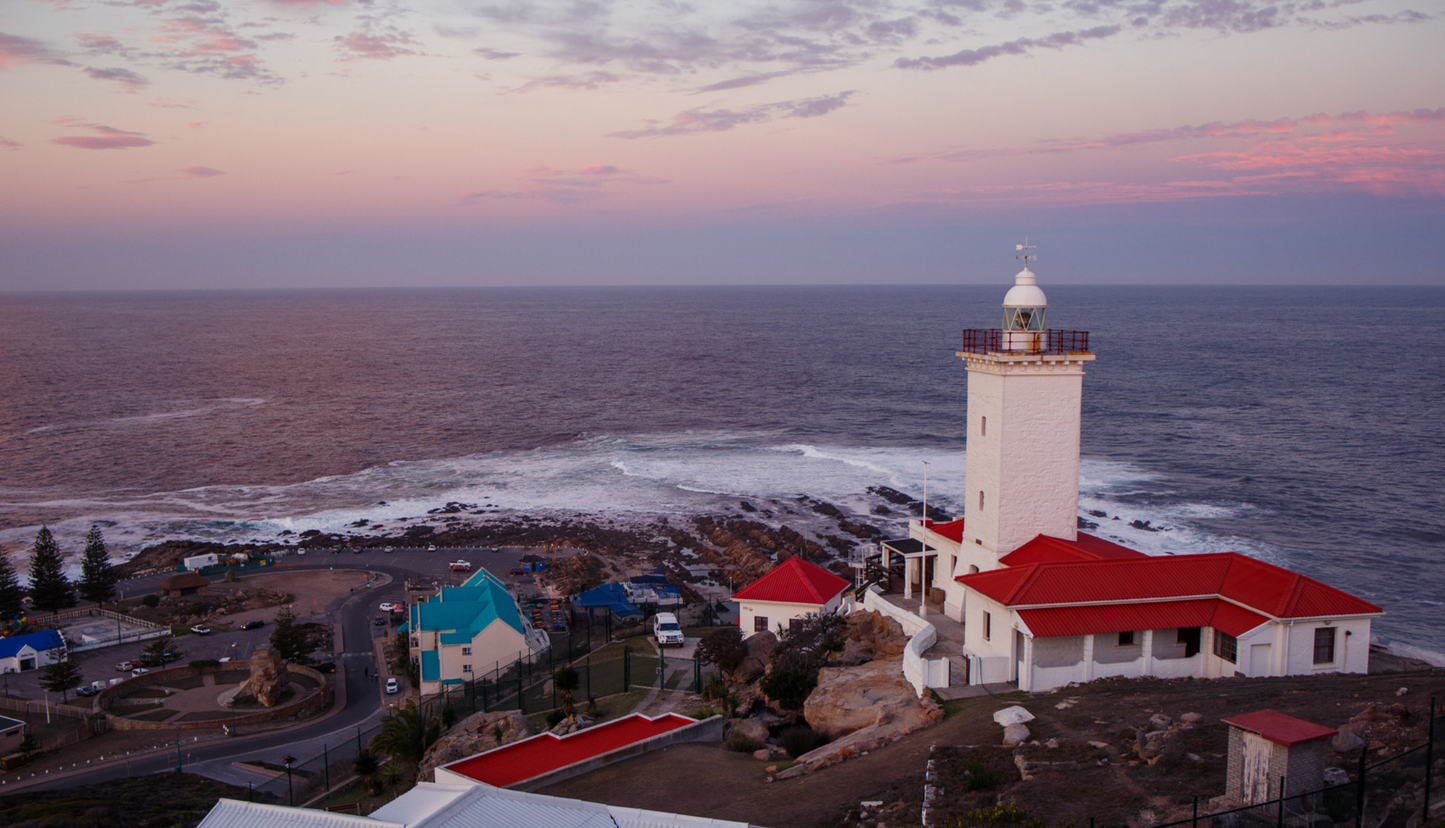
363	695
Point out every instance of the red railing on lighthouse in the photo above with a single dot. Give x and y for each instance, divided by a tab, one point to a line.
996	341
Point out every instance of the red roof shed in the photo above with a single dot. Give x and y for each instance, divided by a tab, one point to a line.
795	581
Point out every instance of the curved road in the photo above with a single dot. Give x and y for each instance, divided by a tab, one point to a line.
363	695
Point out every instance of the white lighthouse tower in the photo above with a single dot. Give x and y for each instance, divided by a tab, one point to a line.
1025	388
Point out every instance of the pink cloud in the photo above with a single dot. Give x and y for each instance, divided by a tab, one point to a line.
201	172
558	186
385	46
17	49
125	77
6	143
104	138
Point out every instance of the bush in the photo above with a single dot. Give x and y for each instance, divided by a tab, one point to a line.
555	718
789	688
998	816
722	647
978	777
801	739
742	744
151	601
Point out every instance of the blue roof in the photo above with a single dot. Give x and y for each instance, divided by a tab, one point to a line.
460	613
431	666
402	629
609	596
47	640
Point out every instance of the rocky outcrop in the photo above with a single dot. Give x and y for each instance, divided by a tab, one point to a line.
266	682
925	713
472	735
753	731
882	636
759	655
848	699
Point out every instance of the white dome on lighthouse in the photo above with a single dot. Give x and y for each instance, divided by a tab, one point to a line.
1025	293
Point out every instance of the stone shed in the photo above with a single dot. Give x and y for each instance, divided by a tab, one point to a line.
1268	750
184	583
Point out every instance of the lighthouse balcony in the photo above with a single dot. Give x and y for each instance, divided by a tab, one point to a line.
997	341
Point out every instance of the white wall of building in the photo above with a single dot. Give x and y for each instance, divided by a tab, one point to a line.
1025	462
778	612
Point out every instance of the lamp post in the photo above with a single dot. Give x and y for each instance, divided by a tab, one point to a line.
290	791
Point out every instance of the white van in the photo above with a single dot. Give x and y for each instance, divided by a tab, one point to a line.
666	629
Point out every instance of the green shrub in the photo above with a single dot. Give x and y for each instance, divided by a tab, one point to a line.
801	739
1007	815
789	688
978	777
151	601
742	744
555	718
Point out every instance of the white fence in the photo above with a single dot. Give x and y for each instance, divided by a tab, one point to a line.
920	672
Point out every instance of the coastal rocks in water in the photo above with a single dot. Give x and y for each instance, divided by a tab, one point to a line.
852	698
472	735
759	647
266	682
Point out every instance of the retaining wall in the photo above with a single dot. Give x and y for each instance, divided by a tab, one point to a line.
303	706
920	672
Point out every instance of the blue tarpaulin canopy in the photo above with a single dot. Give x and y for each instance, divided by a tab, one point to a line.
611	597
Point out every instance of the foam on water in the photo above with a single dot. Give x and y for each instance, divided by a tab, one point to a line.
631	478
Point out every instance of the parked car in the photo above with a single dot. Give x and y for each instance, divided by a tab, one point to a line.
461	566
389	549
431	547
86	691
253	625
666	629
380	621
520	570
201	629
139	671
387	606
392	686
125	665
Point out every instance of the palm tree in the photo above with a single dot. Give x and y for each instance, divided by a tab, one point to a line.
407	733
366	766
391	775
564	681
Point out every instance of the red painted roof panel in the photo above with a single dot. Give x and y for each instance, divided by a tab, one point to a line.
1117	618
953	530
1265	588
1279	728
795	581
1049	549
544	753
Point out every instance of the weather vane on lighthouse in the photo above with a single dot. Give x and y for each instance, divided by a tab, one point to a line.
1027	254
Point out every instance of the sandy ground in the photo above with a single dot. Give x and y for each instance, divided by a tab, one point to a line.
707	780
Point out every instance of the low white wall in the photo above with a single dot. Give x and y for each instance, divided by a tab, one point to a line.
920	672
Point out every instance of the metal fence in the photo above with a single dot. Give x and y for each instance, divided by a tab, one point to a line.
302	780
1386	794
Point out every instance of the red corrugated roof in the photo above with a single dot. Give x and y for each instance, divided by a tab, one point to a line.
953	530
1281	729
544	753
1049	549
1158	615
1263	587
795	581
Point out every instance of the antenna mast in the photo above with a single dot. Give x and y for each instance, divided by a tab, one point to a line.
1027	255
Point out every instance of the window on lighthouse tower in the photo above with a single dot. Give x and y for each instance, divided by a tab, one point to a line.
1025	319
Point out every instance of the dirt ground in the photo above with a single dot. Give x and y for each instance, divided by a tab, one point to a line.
708	780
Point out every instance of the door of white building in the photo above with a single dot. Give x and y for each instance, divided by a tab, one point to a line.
1259	660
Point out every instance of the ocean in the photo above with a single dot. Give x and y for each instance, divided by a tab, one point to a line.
1300	425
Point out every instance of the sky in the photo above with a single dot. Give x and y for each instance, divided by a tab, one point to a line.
156	144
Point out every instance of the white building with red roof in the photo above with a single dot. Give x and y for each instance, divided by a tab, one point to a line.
1045	605
790	591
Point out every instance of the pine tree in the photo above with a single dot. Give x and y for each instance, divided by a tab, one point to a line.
61	677
11	604
48	585
97	576
289	640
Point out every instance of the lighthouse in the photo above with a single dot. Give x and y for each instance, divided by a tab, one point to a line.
1025	390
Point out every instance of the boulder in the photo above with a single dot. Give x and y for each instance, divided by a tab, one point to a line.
752	730
1012	715
759	655
1159	721
1346	741
472	735
769	753
1336	776
877	633
1191	718
1015	734
267	679
852	698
